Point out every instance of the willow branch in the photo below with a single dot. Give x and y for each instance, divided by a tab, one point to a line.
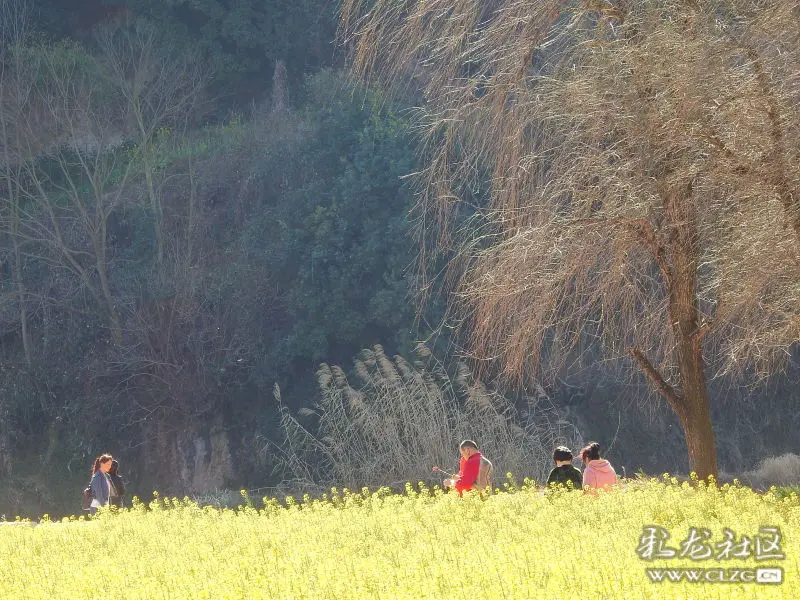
664	388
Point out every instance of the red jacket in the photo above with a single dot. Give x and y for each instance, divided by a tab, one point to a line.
468	472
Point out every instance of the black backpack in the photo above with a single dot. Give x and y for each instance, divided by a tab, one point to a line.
87	498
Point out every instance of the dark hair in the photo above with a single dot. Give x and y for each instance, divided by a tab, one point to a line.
114	467
468	444
100	460
562	453
591	452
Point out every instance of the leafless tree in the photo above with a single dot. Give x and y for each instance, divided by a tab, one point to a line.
68	181
644	170
160	88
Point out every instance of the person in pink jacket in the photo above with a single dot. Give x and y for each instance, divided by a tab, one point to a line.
599	473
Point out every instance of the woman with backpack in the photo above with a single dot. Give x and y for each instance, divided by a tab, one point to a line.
101	487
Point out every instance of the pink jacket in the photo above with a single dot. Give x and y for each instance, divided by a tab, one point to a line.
599	474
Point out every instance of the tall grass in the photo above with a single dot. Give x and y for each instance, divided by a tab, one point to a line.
402	418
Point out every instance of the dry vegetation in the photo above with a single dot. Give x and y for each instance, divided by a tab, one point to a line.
783	470
404	418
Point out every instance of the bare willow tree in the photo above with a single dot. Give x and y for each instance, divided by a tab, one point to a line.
643	162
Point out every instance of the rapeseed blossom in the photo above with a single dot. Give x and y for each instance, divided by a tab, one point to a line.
518	543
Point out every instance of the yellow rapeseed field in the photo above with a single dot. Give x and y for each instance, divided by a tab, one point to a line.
516	544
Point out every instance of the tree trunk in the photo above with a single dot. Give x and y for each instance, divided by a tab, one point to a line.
101	265
22	305
13	200
692	405
145	144
699	433
6	454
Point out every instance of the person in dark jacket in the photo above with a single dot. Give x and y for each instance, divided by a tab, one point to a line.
101	486
117	483
564	471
